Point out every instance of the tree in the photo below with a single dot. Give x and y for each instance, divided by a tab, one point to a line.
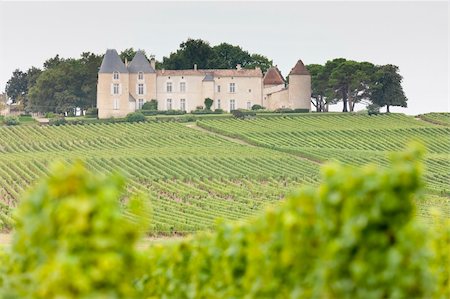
222	56
193	51
261	61
227	56
319	86
53	62
341	80
387	90
16	87
361	85
208	103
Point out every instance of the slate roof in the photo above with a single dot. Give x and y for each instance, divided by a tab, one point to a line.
273	77
140	64
112	63
299	69
209	77
213	72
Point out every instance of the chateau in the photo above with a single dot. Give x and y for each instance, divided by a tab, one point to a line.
124	87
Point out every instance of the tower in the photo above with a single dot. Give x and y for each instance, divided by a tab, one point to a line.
300	87
112	87
142	81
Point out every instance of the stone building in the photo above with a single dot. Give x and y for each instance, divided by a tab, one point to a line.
124	87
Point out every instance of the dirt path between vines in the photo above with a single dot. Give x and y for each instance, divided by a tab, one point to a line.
235	140
243	142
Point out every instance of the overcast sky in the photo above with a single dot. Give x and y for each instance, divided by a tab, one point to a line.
412	35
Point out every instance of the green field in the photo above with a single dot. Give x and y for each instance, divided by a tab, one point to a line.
194	176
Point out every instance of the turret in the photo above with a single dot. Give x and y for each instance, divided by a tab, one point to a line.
112	87
300	87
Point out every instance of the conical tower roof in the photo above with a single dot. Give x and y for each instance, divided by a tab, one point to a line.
273	77
112	63
299	69
140	64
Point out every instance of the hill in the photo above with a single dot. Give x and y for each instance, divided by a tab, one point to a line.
224	168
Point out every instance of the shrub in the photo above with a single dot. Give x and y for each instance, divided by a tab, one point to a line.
242	114
201	111
50	115
301	110
208	103
91	112
150	112
257	107
135	117
72	241
57	121
175	112
11	120
152	105
373	109
284	110
218	111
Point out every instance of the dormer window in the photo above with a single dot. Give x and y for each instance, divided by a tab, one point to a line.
140	76
116	75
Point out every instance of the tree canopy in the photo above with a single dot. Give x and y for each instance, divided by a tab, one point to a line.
222	56
351	82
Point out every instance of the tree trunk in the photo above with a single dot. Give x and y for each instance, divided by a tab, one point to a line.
387	108
344	101
350	101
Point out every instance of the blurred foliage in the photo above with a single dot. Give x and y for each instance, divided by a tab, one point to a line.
72	241
355	236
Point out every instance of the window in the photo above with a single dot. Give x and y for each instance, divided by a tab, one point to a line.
169	87
232	105
140	103
183	104
249	105
232	87
182	86
116	88
169	104
141	76
218	88
218	104
140	88
249	90
116	75
116	104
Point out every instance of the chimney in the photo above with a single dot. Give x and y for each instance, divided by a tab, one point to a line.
162	71
153	63
126	62
195	66
238	66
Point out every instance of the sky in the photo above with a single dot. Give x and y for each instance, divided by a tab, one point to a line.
411	35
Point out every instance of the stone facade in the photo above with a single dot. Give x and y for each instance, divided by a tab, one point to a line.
124	87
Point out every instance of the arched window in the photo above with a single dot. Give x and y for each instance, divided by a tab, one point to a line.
140	76
116	75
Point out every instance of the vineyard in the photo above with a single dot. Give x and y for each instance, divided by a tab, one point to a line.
352	139
437	118
193	177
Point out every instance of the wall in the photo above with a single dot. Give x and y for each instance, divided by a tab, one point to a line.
105	99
